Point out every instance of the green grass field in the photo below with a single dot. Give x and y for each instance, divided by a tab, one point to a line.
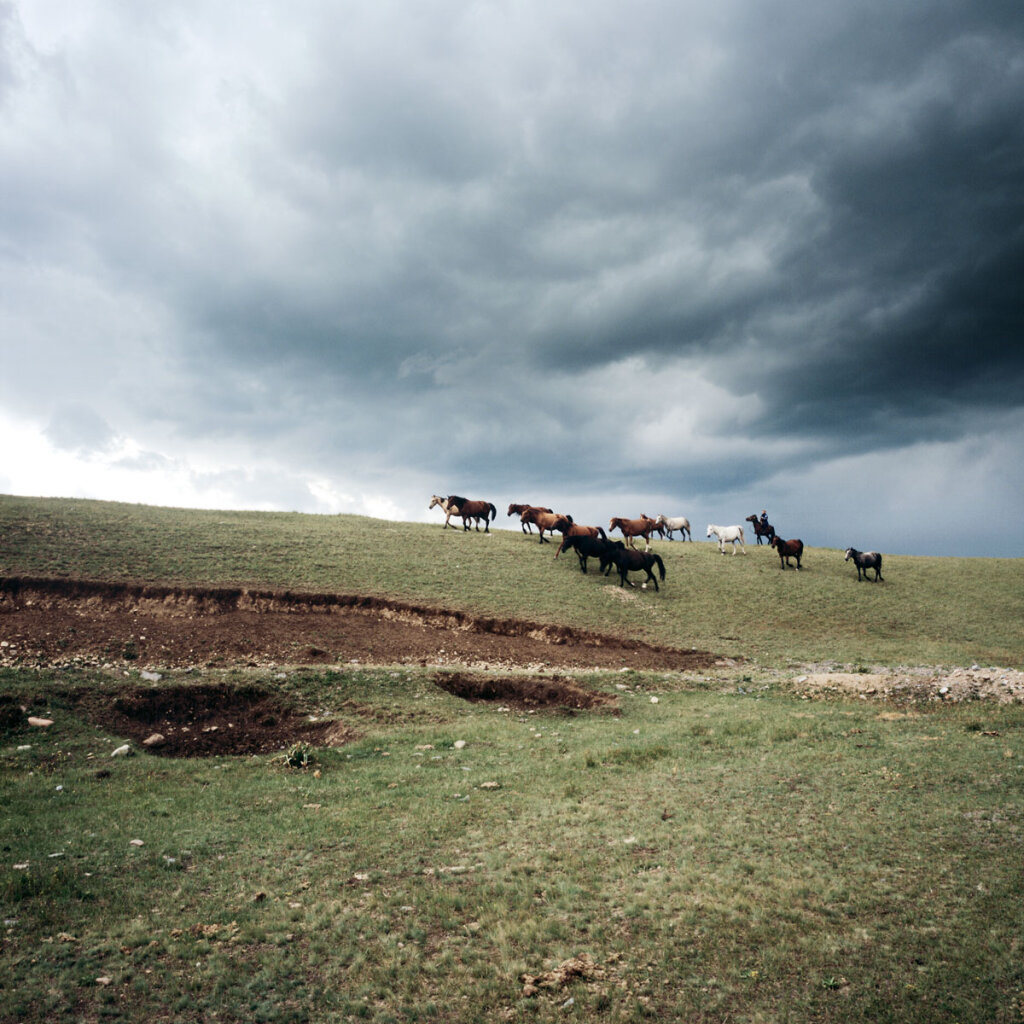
955	611
719	850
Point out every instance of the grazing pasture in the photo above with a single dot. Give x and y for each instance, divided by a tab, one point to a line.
930	610
511	843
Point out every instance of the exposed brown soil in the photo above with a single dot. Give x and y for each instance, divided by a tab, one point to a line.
207	720
61	622
154	628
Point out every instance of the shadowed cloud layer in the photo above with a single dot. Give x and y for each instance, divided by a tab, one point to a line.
672	258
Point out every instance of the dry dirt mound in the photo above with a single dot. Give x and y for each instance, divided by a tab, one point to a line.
80	622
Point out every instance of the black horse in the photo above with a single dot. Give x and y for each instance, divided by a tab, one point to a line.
592	547
629	560
865	560
761	529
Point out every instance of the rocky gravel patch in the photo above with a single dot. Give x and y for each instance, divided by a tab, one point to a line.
928	683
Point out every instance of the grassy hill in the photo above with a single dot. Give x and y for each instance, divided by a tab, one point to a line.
954	611
705	846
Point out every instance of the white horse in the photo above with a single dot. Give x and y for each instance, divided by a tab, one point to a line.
680	523
727	535
448	509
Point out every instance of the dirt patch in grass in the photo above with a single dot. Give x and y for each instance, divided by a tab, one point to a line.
207	720
527	692
81	622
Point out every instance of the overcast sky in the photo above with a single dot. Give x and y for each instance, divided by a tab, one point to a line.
668	256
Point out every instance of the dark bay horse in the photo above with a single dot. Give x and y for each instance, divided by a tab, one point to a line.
761	529
865	560
628	560
788	549
549	521
587	546
475	510
632	528
578	530
518	510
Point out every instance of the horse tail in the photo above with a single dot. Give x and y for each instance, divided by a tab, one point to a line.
494	512
601	533
660	564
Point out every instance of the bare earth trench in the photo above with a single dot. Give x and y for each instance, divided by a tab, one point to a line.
47	623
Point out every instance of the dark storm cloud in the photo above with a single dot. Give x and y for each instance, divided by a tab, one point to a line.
523	243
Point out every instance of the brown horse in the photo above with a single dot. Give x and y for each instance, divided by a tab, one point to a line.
454	505
549	521
642	527
518	510
761	529
788	549
475	510
576	530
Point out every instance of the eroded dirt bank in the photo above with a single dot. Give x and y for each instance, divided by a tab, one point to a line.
61	621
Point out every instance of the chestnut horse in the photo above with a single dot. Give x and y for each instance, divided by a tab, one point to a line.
761	530
518	510
549	521
788	549
642	527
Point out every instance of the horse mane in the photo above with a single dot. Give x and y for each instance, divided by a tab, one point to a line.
455	501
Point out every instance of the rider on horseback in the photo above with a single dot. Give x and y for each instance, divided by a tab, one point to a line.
764	518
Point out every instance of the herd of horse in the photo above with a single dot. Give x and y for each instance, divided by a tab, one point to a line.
593	542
